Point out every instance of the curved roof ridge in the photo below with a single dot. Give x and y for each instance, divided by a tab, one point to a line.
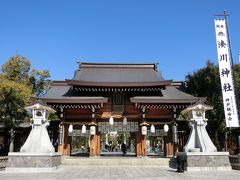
117	72
117	65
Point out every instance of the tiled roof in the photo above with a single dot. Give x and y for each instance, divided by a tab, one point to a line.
59	93
99	72
169	95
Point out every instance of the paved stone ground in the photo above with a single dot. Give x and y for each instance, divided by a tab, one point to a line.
120	173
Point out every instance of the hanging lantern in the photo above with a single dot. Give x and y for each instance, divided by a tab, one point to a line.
92	130
106	138
83	129
165	128
111	120
144	130
152	128
125	121
70	128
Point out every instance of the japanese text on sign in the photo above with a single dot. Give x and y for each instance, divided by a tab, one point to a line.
225	72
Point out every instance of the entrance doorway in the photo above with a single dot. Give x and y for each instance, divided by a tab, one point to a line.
80	145
155	146
156	143
112	143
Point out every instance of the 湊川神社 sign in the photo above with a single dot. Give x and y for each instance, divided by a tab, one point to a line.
225	70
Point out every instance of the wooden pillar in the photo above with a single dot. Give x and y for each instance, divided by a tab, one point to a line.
141	150
66	141
164	146
138	144
94	145
144	146
98	144
64	147
169	143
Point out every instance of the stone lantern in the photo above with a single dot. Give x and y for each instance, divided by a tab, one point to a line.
199	140
199	151
37	154
38	140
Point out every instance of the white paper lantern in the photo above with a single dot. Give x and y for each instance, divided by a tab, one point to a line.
70	128
83	129
165	128
92	130
106	138
111	120
125	121
144	130
152	129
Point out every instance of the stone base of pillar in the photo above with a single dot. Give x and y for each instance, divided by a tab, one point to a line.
210	161
141	156
33	162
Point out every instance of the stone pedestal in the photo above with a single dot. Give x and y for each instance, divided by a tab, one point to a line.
205	160
32	162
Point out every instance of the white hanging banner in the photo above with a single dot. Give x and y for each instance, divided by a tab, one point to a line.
225	70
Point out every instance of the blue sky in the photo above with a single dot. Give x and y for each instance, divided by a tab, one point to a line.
55	34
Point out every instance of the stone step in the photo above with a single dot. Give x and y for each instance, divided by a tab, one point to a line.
120	161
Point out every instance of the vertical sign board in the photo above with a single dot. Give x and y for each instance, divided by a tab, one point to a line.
60	134
229	100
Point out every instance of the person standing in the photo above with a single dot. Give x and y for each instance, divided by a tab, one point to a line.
124	148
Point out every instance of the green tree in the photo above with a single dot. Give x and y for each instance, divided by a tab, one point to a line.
13	97
18	84
18	69
39	82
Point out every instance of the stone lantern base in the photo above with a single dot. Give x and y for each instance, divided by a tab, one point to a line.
205	160
32	162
